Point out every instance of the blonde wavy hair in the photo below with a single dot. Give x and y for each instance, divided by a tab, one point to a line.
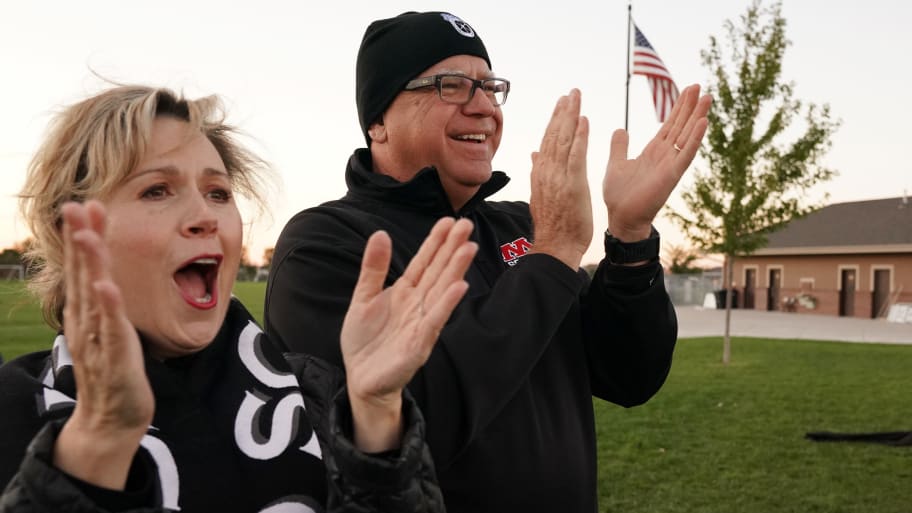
91	147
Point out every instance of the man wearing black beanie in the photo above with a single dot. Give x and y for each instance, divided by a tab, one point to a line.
507	390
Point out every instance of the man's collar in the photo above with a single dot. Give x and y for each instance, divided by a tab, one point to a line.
424	191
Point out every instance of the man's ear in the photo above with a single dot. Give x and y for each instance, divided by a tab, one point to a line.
377	132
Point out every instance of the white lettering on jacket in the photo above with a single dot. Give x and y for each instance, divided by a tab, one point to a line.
286	415
288	507
251	355
285	419
167	470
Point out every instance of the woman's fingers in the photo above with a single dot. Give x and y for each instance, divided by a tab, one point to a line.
453	273
114	330
458	234
71	306
425	255
374	267
389	333
103	319
92	259
79	309
96	216
94	309
444	297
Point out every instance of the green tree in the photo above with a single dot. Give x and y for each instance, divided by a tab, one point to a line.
11	256
680	259
267	257
246	269
759	173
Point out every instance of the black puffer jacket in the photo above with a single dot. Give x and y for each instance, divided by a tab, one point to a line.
228	435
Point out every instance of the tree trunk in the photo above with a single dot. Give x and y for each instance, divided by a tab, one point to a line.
728	271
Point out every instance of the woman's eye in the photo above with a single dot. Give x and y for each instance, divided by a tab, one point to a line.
157	191
220	195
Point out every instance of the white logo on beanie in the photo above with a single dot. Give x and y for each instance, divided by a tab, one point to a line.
462	27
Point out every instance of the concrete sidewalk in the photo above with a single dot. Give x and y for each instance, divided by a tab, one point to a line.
695	321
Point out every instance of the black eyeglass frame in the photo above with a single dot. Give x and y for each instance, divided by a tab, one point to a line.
436	80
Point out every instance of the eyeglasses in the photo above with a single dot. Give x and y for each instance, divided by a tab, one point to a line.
460	89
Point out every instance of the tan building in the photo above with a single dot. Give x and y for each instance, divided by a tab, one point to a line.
848	259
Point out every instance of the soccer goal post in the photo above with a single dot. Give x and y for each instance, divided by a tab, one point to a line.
12	272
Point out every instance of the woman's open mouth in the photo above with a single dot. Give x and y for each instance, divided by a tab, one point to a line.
197	281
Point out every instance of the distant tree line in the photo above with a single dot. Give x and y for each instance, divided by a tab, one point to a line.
16	254
249	271
11	256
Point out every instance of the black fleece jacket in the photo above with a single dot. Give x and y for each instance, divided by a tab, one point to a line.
507	390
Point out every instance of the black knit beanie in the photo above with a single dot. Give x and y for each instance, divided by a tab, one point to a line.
396	50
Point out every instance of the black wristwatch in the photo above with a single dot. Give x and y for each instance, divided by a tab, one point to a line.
618	252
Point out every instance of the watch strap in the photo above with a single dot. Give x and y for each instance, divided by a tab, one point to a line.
618	252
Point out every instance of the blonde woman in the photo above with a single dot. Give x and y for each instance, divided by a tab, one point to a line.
161	393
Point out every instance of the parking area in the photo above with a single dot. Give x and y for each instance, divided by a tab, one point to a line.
695	321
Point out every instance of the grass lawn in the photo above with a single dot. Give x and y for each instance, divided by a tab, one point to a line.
720	439
253	295
22	328
730	438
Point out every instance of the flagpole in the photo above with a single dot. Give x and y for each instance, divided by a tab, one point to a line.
627	93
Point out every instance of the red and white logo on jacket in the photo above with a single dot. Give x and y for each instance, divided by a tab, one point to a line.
513	251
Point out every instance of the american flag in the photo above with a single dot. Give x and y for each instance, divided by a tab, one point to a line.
647	62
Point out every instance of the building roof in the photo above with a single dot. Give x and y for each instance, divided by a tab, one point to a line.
873	226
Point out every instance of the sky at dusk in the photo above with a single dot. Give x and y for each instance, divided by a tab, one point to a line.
286	71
